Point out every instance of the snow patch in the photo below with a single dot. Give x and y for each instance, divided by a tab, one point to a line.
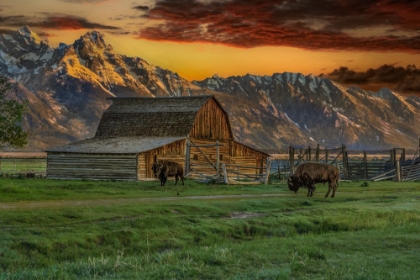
291	120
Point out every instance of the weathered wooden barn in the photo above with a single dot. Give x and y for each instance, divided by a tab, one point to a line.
133	133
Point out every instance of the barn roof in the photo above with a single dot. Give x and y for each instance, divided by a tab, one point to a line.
115	145
150	116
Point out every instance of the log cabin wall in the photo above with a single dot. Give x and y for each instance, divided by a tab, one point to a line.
92	166
173	152
211	122
246	156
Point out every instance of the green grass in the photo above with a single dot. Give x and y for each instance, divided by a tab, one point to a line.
22	165
113	230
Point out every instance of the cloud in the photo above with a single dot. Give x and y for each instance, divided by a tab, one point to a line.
308	24
54	21
121	32
405	80
84	1
141	8
6	31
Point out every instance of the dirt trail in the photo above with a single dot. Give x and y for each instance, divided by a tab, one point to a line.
118	201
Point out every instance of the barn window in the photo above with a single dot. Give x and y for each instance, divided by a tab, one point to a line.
195	157
220	157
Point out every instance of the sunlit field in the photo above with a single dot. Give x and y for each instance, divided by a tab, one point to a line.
112	230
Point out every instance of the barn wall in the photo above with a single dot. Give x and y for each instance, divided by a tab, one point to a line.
199	163
245	156
211	123
173	152
92	166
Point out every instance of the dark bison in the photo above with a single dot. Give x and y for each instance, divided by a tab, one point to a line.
310	173
164	169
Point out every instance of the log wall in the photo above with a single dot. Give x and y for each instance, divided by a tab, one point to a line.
92	166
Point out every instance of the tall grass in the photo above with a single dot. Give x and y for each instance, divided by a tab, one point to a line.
149	232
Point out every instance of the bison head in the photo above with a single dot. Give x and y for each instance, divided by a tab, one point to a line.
293	183
156	168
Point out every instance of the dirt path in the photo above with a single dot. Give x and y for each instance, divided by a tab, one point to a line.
118	201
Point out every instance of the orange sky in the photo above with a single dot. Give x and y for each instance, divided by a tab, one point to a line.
198	38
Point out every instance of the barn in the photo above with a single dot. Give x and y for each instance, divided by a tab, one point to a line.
133	133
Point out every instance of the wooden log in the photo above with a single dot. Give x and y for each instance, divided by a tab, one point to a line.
398	171
267	172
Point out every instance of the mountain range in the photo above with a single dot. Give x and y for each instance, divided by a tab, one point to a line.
67	89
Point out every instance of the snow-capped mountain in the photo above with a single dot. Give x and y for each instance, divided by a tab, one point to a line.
66	88
328	113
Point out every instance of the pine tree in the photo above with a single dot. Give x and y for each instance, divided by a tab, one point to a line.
11	114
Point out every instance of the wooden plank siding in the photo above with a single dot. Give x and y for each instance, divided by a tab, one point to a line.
173	152
199	163
211	122
248	157
92	166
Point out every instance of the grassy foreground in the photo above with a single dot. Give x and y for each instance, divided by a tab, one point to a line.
111	230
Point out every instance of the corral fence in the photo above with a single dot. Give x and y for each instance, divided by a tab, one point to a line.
363	165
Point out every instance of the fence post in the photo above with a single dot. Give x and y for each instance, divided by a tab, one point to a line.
267	173
309	153
326	155
292	158
397	171
217	157
225	174
187	159
278	170
317	153
365	163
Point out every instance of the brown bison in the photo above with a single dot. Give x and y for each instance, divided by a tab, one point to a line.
164	169
310	173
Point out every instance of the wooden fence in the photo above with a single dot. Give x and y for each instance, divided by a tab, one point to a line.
351	168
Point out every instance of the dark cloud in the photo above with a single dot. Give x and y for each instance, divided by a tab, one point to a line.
141	8
405	80
308	24
84	1
53	21
120	32
6	31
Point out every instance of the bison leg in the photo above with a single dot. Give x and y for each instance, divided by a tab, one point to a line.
182	179
176	179
329	190
334	189
313	188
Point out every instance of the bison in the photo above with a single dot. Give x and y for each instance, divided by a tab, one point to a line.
164	169
310	173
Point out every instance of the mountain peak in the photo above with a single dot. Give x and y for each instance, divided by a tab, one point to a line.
96	38
26	31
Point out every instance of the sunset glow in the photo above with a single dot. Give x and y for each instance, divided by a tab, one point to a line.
198	39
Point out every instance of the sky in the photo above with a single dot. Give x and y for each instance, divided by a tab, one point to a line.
361	42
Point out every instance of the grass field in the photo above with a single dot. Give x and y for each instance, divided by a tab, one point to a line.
112	230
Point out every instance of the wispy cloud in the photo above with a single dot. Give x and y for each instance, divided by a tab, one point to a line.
54	21
308	24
